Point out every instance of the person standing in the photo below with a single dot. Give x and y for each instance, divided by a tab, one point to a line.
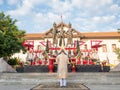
62	60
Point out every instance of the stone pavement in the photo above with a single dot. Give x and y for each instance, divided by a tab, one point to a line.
54	86
25	81
28	87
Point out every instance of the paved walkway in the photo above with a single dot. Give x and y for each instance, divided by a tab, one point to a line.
26	81
28	87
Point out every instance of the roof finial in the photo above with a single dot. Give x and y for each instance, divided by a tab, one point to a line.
61	18
54	24
70	25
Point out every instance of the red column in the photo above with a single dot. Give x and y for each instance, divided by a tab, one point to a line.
51	65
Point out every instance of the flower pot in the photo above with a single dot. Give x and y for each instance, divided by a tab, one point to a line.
78	62
51	68
73	68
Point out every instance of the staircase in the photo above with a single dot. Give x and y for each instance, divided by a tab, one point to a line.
101	78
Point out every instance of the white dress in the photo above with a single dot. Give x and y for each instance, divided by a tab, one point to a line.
62	61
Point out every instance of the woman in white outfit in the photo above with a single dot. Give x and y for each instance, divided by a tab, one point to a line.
62	60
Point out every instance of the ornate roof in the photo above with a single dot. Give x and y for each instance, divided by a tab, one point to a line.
77	34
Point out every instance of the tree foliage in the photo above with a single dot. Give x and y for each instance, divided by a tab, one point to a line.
11	38
47	47
117	51
78	47
119	33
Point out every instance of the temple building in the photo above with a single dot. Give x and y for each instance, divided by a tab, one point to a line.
94	45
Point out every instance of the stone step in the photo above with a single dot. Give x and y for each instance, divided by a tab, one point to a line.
41	75
53	75
87	78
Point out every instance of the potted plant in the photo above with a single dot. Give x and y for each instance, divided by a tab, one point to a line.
13	62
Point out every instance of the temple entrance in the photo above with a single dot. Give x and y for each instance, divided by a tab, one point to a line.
75	47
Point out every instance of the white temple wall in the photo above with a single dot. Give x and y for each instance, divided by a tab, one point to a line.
109	55
21	56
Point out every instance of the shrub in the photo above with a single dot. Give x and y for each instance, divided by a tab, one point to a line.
14	61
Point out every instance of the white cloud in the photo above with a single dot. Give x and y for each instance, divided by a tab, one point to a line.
12	2
34	2
60	7
87	15
90	3
1	2
92	7
84	24
115	8
20	23
25	8
53	17
40	18
112	29
45	19
49	17
21	10
103	19
118	23
97	23
78	3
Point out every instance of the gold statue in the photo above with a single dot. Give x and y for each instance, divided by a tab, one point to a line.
62	36
55	34
70	35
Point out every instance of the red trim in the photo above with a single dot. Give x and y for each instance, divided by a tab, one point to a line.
96	44
59	48
43	43
29	44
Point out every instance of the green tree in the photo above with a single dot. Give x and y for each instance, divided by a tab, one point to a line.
47	47
11	38
119	33
78	47
117	50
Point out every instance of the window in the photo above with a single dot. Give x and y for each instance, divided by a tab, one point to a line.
104	48
113	47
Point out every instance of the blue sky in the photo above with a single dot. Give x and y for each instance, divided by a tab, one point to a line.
36	16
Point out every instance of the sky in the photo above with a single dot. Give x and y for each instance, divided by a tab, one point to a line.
38	16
